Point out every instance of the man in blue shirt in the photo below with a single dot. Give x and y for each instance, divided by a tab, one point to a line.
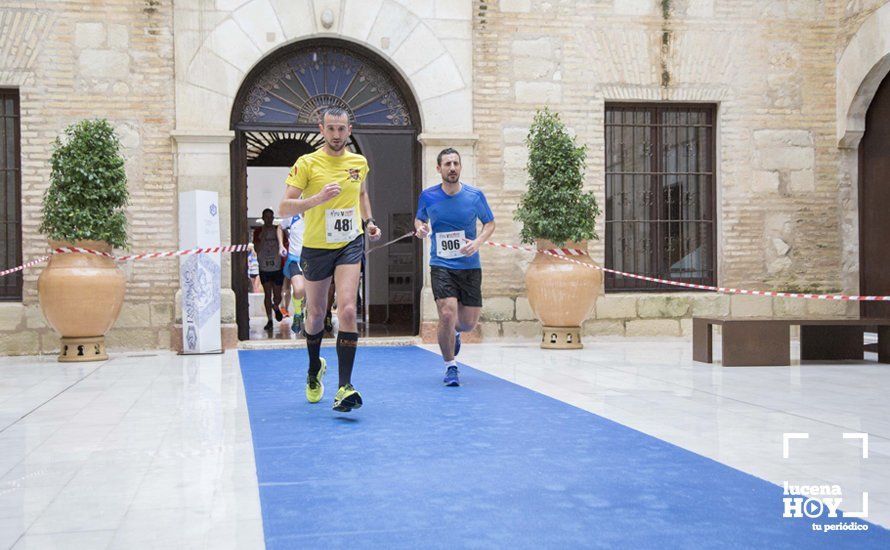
452	209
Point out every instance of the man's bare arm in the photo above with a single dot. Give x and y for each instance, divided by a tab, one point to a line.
473	246
293	203
365	201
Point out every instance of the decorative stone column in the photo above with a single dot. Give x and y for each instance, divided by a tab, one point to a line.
202	161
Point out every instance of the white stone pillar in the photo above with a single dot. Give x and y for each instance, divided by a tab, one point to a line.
199	274
202	161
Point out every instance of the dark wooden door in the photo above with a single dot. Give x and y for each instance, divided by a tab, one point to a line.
874	204
394	274
240	234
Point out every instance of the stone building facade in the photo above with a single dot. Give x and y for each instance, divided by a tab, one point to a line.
790	80
75	60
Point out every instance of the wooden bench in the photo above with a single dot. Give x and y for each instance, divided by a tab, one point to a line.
758	342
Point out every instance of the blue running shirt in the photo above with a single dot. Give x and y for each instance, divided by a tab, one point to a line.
449	216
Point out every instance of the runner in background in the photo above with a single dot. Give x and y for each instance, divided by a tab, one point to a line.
270	253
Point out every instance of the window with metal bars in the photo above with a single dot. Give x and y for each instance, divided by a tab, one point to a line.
10	195
660	194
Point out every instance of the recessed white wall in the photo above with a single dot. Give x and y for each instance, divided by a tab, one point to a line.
265	187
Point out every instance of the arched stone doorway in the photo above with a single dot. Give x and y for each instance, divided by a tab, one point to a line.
274	120
863	116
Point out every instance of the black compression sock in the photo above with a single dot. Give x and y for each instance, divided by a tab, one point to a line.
313	345
346	346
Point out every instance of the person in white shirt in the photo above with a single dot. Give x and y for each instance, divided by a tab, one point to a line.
253	271
292	228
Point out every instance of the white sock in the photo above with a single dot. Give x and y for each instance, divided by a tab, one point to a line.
451	363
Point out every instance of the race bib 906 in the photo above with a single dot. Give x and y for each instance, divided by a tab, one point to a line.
448	244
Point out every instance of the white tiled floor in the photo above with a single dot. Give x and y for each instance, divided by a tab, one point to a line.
154	450
147	450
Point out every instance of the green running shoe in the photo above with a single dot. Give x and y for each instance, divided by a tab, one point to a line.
315	386
347	398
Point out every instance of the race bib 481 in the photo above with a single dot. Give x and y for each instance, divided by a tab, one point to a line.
340	225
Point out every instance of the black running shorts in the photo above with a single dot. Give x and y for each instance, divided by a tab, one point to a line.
275	277
319	263
463	284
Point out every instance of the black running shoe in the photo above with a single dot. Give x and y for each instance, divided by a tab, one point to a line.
269	325
278	315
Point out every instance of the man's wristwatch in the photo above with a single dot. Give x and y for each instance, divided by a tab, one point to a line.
370	220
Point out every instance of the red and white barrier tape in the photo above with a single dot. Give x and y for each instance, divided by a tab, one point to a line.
153	255
564	254
561	253
148	256
32	263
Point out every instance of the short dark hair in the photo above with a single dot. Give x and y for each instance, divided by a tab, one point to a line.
269	210
447	151
335	112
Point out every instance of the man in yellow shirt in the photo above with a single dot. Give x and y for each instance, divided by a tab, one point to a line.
328	188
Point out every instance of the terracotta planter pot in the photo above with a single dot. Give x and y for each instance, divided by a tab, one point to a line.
81	296
562	294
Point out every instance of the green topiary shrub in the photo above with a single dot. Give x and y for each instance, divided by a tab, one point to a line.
555	207
87	192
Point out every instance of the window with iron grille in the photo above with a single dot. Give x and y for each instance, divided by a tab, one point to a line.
10	195
660	194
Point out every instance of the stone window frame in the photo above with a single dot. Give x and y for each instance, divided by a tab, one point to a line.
11	180
657	266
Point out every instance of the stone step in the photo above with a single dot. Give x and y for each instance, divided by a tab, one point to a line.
390	341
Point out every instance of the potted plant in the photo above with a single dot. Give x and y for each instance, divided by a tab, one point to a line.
556	213
81	294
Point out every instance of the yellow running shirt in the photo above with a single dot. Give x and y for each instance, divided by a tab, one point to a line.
338	222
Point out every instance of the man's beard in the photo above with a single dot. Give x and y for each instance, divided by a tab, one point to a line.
452	178
337	147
